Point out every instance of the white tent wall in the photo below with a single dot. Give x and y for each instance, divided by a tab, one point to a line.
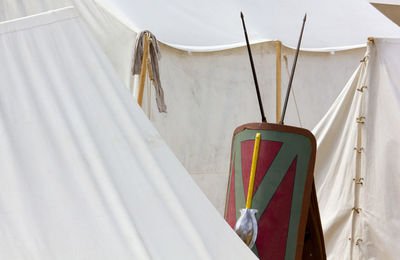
84	174
209	94
359	221
357	166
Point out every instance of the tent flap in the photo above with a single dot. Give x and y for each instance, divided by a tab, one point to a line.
84	174
357	160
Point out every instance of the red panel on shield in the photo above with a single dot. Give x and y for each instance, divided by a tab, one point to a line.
266	154
231	212
271	243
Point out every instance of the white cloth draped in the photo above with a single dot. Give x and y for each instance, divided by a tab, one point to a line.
84	174
362	221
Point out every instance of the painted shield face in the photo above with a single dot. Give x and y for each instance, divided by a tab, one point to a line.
282	186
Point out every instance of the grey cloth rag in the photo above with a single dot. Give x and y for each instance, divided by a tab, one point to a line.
155	56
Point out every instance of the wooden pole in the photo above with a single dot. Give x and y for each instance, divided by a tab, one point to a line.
143	69
263	119
148	94
278	81
292	74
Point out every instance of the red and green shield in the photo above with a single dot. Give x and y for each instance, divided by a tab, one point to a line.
282	186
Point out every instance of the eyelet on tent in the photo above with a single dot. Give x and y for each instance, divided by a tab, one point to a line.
360	120
359	150
362	88
359	181
371	39
365	59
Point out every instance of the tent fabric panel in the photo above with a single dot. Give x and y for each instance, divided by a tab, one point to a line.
208	26
84	173
356	167
115	39
208	100
11	9
382	167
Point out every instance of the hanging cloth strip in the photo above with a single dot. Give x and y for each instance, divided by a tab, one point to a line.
155	56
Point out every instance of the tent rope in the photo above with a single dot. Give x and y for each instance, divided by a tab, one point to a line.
294	97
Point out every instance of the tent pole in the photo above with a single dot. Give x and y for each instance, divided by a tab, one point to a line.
143	70
278	80
148	94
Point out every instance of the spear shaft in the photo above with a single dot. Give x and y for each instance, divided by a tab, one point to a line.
263	119
292	74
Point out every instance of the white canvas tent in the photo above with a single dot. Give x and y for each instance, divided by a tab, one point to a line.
357	166
359	220
203	26
215	79
209	26
84	174
208	92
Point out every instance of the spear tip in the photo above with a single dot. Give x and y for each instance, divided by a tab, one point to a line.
305	17
241	15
